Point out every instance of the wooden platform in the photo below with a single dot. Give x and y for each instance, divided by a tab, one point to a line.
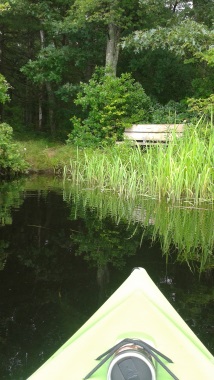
147	134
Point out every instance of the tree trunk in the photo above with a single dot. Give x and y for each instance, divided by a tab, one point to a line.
51	98
1	68
40	110
28	107
175	6
51	105
112	49
102	280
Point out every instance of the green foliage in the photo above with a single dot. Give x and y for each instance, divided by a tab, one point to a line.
49	65
203	11
184	39
187	39
10	197
48	47
109	105
202	107
164	75
101	243
207	56
3	255
123	13
4	7
4	86
11	160
202	110
202	86
170	113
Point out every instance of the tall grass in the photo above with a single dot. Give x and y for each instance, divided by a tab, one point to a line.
181	170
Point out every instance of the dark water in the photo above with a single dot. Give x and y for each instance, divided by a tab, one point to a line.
64	251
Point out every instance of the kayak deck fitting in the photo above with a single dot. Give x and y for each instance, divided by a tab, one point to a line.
135	335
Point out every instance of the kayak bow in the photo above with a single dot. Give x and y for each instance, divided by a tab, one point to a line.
135	335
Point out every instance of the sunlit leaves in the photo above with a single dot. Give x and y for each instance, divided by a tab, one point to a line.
186	37
202	106
4	7
207	56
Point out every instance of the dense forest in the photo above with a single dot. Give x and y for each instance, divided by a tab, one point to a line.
57	57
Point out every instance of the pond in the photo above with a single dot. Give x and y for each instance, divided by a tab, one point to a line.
64	250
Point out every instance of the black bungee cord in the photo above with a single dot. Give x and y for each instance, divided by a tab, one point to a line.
149	349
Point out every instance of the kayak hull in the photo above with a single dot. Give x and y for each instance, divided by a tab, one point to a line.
137	310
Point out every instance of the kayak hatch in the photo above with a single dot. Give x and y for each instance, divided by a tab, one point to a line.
133	360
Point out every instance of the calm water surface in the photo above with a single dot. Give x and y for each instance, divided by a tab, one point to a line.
63	252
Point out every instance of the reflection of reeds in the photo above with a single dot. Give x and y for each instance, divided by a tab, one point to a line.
189	230
182	169
184	228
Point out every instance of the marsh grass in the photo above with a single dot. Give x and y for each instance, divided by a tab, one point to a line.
181	170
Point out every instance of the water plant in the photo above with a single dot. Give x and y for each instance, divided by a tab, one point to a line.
180	170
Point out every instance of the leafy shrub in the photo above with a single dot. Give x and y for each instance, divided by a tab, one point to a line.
202	107
201	110
109	105
11	161
170	113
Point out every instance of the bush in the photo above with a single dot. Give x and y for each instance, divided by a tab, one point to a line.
202	107
109	105
170	113
11	161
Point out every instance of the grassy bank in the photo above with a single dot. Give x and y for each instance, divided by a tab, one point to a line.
42	155
183	170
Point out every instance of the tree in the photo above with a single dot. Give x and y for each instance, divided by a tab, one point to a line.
203	11
186	38
16	41
52	56
4	86
46	70
119	18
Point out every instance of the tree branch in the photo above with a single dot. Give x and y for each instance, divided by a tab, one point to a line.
175	6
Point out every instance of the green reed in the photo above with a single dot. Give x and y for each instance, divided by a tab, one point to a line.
182	169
